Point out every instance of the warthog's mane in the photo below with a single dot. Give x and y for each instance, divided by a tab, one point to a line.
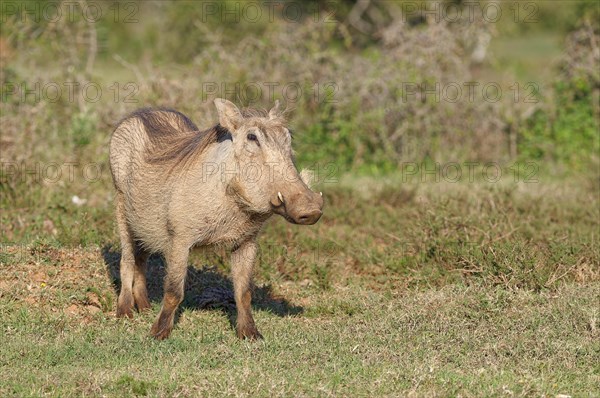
174	137
176	141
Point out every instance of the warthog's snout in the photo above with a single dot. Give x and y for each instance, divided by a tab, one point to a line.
301	208
308	218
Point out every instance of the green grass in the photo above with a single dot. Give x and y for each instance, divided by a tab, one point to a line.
528	56
431	290
452	341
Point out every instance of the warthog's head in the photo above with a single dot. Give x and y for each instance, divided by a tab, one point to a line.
267	179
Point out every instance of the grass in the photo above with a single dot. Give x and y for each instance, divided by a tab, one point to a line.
404	288
401	289
527	57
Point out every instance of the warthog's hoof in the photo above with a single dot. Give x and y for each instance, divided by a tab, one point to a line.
161	329
249	332
160	334
142	303
125	306
124	313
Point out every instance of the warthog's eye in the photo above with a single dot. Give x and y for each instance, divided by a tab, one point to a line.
253	137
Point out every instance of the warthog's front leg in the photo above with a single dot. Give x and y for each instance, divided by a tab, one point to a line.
174	289
242	264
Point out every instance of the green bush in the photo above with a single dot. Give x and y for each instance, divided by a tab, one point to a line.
568	131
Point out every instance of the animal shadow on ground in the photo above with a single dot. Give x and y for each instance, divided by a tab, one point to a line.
205	288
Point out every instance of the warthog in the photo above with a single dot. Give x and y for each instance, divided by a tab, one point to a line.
179	187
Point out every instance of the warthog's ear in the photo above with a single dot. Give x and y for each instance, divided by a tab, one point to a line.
230	116
274	112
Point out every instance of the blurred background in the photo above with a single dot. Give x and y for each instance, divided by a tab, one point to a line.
371	84
376	91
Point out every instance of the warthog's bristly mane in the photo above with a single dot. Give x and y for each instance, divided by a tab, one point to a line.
176	141
174	138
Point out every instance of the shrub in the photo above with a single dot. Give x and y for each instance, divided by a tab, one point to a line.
567	129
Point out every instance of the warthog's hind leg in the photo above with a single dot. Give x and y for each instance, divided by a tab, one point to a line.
140	291
127	265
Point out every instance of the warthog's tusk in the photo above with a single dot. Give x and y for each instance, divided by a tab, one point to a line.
280	196
321	193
